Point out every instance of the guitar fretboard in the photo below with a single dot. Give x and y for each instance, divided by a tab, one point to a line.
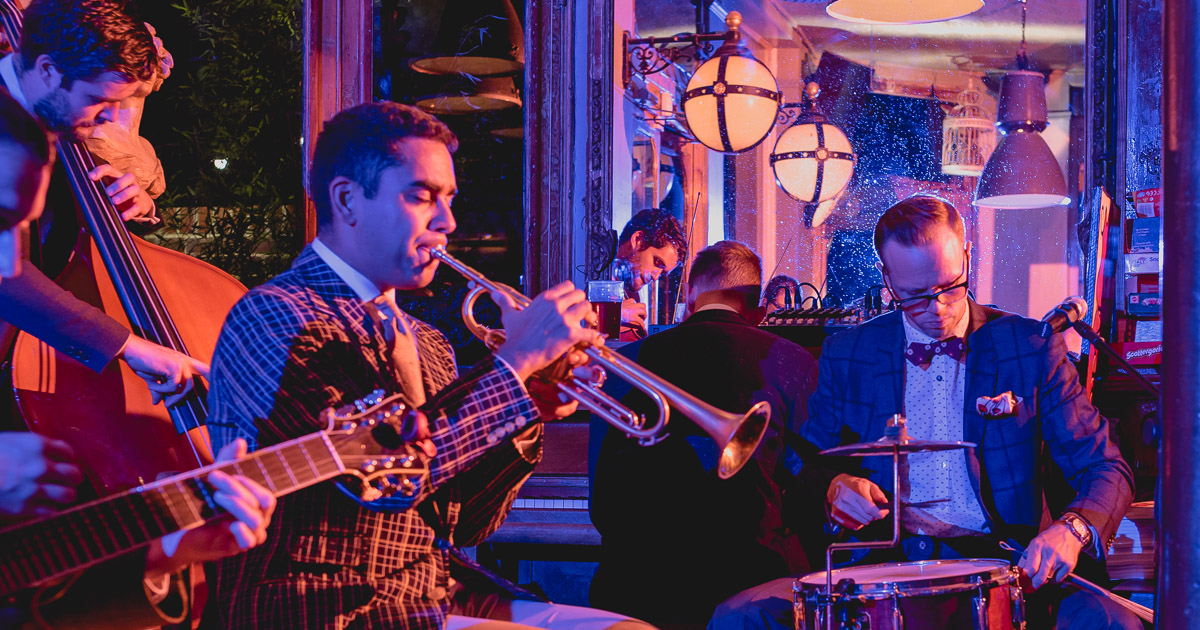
102	529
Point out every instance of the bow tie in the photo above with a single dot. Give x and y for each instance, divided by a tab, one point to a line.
921	354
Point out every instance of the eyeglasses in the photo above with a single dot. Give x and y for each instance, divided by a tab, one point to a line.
946	296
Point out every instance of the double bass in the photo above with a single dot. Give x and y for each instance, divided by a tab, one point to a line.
121	439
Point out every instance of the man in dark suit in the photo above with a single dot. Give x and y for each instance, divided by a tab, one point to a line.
676	539
328	331
960	371
78	62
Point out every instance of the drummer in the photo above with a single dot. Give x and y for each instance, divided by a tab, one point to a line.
958	371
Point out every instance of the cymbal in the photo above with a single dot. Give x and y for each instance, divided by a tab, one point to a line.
885	446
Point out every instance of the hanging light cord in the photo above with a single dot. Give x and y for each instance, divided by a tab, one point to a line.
1023	53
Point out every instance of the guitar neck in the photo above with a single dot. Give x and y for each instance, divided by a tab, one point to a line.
35	552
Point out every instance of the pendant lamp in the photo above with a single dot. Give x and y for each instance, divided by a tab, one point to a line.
480	38
1022	172
901	11
731	101
467	94
813	160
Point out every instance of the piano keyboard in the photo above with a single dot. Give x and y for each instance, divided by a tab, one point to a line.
550	503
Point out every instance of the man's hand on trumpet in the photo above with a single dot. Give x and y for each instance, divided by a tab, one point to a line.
553	324
551	403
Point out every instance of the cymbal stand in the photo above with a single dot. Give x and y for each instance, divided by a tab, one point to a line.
898	428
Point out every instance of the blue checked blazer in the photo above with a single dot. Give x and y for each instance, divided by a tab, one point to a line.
299	344
861	384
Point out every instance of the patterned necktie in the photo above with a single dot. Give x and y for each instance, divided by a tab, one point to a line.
921	354
402	344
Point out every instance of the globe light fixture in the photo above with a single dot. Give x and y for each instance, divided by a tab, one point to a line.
731	101
813	160
901	11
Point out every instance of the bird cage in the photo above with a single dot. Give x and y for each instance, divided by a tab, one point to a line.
968	136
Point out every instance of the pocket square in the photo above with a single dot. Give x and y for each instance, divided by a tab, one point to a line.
998	406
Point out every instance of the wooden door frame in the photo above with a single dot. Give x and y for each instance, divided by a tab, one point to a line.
337	73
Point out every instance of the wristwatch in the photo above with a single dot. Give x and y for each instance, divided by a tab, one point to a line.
1078	526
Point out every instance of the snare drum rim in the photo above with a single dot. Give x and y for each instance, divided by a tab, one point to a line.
991	573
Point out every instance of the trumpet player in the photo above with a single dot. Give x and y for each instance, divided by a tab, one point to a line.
328	331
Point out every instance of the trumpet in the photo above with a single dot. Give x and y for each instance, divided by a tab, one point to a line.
737	434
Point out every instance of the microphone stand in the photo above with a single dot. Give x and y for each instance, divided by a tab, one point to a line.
1095	339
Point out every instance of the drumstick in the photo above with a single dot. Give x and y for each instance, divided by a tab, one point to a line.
1144	613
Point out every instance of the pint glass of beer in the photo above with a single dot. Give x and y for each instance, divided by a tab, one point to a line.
606	297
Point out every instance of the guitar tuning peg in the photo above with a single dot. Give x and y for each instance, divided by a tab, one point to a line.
370	493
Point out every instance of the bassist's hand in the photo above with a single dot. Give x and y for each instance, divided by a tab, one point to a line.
131	200
168	374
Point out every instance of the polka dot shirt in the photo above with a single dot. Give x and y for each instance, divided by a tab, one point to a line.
939	489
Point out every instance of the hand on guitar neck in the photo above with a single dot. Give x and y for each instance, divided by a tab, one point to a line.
168	374
38	478
249	507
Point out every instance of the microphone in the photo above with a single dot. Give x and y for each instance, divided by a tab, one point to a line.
1070	311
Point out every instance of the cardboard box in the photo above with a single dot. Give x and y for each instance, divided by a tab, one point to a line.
1148	203
1143	305
1140	352
1143	235
1142	263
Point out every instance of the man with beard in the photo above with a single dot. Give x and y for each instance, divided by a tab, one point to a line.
38	475
78	62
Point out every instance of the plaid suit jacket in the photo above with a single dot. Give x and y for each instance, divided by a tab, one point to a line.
861	384
299	344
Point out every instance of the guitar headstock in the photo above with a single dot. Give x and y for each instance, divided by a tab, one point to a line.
367	437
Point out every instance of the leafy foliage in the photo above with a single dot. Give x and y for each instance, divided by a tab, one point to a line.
234	101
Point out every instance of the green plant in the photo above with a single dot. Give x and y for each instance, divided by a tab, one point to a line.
231	142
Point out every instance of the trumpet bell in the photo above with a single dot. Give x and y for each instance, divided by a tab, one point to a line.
740	437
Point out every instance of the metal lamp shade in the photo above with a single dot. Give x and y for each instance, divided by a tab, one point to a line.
1022	173
469	95
1022	100
813	161
901	11
478	38
731	103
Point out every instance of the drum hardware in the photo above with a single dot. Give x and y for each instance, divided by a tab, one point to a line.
981	606
1016	600
895	441
920	595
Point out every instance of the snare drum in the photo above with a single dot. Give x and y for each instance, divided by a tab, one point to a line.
928	595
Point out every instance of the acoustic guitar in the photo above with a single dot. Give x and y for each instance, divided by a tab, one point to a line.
362	443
